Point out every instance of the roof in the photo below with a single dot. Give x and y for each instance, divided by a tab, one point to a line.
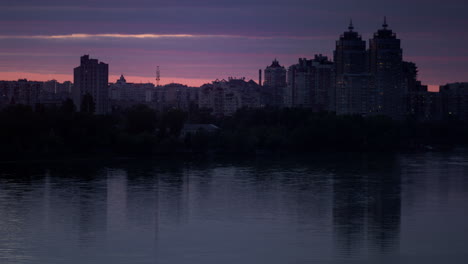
275	64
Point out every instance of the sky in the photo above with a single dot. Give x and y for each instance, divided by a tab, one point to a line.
195	42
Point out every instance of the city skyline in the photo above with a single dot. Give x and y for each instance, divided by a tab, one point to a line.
194	50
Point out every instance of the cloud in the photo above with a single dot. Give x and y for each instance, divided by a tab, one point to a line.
154	36
84	36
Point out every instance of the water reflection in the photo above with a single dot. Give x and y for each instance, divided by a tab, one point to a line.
333	209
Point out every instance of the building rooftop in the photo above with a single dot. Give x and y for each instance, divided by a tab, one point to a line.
385	33
275	64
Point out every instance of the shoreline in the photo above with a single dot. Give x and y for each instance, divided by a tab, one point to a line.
210	155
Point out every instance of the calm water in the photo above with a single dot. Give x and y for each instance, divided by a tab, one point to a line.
409	208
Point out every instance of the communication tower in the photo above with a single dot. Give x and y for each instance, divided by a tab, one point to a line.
158	76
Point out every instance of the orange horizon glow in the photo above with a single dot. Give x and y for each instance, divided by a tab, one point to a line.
433	88
42	77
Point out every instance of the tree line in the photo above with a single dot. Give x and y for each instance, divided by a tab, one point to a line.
62	131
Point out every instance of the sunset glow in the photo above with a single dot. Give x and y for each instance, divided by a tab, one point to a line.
216	39
13	76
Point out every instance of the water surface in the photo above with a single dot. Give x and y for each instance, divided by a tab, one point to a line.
347	208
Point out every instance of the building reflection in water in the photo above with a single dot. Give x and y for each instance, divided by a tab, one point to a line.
116	204
92	206
367	205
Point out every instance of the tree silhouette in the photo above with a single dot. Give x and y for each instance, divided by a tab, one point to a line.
87	104
68	106
139	119
173	120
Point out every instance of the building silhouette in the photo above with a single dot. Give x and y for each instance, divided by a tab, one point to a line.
175	95
275	82
33	93
123	94
386	65
421	105
454	97
350	54
22	92
311	84
92	77
224	98
355	87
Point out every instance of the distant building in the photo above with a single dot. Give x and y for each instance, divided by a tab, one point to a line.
224	98
178	96
386	64
421	104
123	94
211	96
92	77
410	77
275	82
424	105
20	92
311	84
4	91
350	55
355	87
355	94
33	93
55	93
454	100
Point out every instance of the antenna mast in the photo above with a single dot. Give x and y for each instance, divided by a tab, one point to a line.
158	76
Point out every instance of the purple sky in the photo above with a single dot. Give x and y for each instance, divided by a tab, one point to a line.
197	41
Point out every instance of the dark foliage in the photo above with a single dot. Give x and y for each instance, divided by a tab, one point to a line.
87	104
62	131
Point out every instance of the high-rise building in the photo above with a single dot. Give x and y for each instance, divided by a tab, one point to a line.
454	97
275	82
386	65
311	84
355	87
410	77
355	94
350	55
421	104
92	77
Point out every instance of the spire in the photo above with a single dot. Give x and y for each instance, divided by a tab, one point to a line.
385	25
122	78
351	27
